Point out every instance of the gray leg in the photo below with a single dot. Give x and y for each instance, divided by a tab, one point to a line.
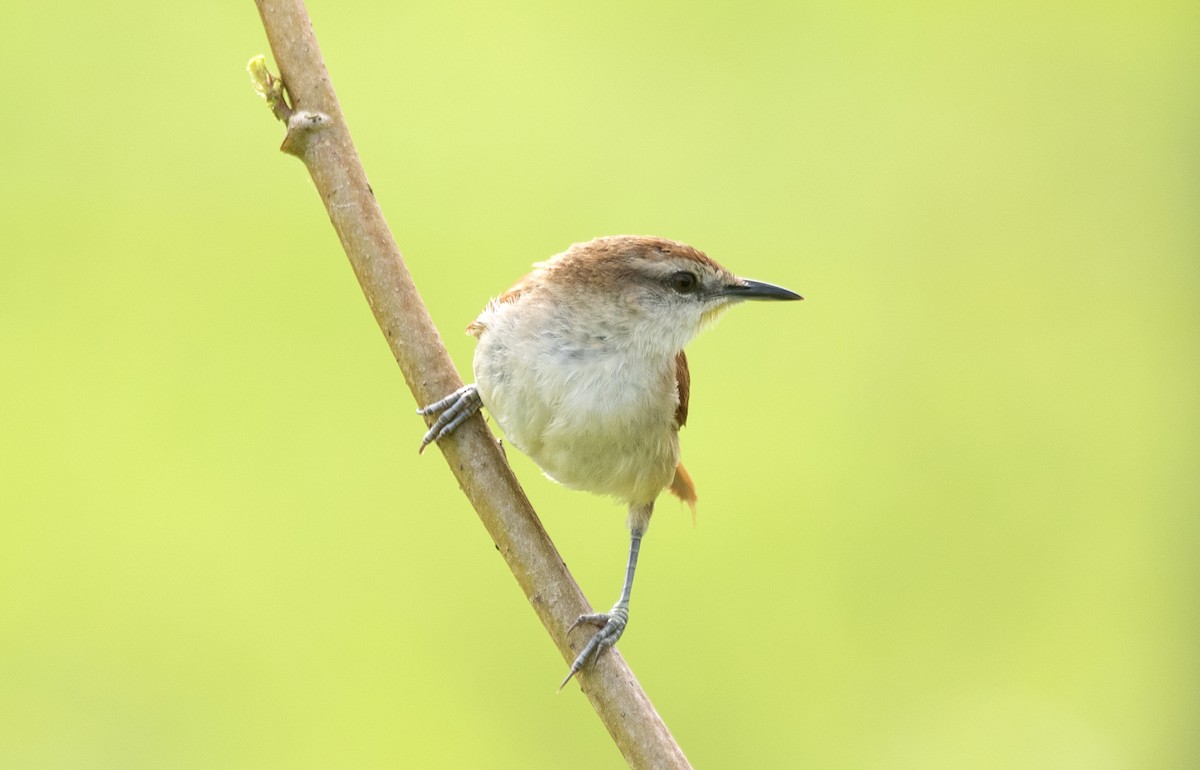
451	411
612	623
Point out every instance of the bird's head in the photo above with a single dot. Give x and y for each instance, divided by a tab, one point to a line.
656	291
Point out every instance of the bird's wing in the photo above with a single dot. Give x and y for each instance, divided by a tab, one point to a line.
683	382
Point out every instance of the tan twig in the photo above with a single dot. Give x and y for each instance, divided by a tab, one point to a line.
318	136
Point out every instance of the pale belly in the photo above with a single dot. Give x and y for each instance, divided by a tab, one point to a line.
590	424
610	459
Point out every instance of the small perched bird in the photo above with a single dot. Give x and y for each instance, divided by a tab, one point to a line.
582	365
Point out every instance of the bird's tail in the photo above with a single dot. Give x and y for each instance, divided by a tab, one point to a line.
683	488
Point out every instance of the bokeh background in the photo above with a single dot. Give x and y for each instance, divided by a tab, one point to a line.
949	506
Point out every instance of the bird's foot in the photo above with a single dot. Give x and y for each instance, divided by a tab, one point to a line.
451	411
612	625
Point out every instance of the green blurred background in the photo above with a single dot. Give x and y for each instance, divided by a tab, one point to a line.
949	511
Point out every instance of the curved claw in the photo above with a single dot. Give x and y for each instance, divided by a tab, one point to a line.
612	625
596	618
451	411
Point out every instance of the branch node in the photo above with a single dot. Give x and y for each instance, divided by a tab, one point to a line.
300	127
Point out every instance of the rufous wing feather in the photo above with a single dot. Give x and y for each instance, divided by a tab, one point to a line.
683	384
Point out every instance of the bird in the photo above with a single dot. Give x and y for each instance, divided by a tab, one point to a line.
582	365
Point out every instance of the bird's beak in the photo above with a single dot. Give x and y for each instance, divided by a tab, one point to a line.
748	289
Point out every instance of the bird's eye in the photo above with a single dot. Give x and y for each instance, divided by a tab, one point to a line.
684	282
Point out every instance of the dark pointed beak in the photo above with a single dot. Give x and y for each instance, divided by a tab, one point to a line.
748	289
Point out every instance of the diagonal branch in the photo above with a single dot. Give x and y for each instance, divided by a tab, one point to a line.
318	136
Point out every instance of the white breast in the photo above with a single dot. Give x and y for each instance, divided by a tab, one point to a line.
594	412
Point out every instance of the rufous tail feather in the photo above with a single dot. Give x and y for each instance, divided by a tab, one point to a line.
683	488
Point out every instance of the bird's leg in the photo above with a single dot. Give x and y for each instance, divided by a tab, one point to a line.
612	623
451	411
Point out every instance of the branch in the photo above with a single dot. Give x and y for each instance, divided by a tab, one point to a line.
318	136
